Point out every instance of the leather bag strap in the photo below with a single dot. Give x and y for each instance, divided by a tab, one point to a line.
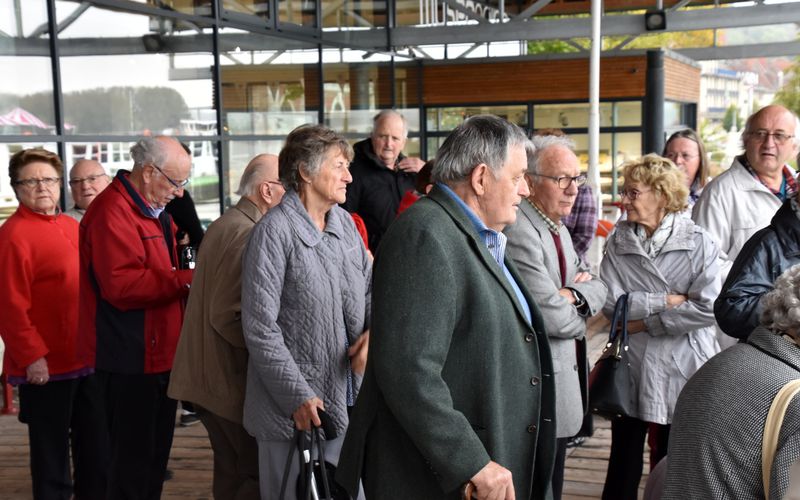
772	429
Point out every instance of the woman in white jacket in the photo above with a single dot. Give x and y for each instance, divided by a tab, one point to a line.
668	267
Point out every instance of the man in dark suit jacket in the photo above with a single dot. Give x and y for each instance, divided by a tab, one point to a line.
459	382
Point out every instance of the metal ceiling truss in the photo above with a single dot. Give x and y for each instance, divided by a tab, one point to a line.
395	41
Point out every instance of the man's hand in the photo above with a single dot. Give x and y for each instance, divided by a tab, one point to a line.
358	353
582	277
494	482
307	414
37	372
410	164
567	294
675	300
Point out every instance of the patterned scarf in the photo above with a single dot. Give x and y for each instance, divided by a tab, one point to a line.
654	244
788	180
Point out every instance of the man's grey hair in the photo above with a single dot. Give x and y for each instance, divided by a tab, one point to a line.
253	176
540	144
780	308
385	113
749	122
480	139
148	150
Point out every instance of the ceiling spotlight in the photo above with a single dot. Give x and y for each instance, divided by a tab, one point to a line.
655	20
153	42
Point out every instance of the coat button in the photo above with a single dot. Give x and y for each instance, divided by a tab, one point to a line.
534	380
575	367
532	428
529	337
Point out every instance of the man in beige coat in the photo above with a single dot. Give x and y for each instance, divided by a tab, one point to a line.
210	364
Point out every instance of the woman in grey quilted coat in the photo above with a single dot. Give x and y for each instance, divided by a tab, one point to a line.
715	446
668	267
305	305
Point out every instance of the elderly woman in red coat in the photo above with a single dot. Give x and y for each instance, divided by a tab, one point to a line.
39	278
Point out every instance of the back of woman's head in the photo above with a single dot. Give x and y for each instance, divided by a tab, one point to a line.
780	308
305	150
659	174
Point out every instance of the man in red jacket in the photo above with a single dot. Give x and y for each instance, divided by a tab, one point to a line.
131	308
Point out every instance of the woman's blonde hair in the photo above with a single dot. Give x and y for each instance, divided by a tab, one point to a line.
661	175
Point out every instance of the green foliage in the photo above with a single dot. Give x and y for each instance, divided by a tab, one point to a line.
789	94
732	116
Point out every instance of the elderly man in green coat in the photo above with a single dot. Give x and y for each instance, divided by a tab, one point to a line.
459	382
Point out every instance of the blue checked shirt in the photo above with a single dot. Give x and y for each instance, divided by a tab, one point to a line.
494	241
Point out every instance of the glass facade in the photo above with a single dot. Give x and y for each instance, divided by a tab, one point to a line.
231	78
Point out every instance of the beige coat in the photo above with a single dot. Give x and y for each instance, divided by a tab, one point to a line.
210	364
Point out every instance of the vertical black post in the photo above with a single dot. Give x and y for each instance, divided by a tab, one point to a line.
321	87
58	105
216	75
654	103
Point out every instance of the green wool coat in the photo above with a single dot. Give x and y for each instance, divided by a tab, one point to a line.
456	375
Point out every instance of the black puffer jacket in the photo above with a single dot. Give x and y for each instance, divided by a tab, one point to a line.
765	256
376	191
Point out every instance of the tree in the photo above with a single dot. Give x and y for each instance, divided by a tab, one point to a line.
789	94
732	117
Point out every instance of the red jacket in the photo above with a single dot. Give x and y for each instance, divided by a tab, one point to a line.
132	297
39	292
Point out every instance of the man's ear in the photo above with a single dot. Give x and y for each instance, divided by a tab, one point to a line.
477	179
265	192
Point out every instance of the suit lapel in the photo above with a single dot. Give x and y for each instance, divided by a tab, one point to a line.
465	225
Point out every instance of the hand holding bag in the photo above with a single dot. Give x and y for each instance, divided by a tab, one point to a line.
610	391
316	475
772	429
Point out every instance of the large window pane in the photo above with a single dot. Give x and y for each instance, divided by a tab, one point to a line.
270	86
615	149
568	115
353	93
115	156
444	119
628	114
345	14
142	75
238	154
26	84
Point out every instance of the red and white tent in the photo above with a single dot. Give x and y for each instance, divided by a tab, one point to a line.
20	117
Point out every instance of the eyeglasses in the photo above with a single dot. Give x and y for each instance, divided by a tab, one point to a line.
90	179
277	183
32	183
684	156
176	184
779	137
632	194
564	181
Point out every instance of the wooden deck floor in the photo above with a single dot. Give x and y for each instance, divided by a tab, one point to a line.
191	458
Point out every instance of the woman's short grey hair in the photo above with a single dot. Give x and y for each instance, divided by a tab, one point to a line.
305	149
542	142
780	308
148	151
479	139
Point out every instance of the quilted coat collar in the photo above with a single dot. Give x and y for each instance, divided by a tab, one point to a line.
301	222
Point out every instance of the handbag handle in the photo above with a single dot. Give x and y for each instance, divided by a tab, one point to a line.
619	322
772	429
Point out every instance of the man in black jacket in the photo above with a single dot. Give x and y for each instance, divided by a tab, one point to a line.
764	257
381	174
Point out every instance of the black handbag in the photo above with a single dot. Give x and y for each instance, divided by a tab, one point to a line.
610	390
316	478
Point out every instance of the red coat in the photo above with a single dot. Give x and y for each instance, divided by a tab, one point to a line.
39	292
132	297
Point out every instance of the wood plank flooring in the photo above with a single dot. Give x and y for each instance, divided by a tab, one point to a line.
192	463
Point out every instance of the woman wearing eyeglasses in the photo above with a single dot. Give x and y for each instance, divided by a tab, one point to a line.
39	325
687	151
669	268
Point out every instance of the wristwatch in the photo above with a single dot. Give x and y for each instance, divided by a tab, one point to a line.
579	300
